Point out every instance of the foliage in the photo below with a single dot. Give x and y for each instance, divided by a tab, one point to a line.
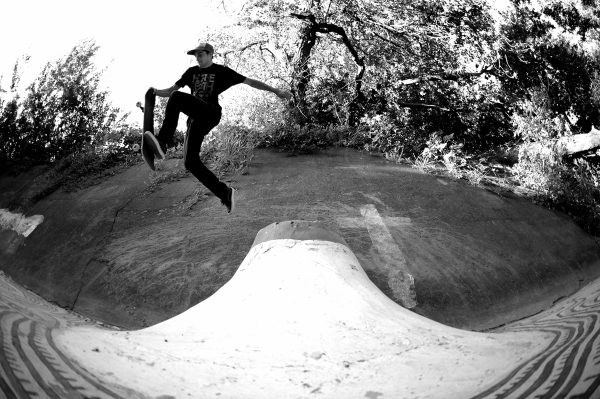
551	59
229	149
74	172
309	138
396	140
575	190
389	39
570	186
65	121
9	130
535	120
64	111
552	47
423	64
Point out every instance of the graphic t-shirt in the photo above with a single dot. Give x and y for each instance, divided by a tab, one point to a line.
208	83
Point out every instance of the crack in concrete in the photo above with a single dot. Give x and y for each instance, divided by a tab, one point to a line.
112	226
189	273
82	282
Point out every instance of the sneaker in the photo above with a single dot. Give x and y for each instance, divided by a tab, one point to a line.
230	200
157	146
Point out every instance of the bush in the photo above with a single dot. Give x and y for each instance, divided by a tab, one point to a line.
62	112
534	121
229	148
226	150
308	138
569	186
388	135
74	172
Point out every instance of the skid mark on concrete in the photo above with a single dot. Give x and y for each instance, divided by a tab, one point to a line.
371	197
400	281
30	363
359	223
570	365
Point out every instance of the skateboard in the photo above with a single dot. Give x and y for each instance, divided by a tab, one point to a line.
148	141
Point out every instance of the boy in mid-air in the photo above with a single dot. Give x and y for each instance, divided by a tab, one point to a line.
206	80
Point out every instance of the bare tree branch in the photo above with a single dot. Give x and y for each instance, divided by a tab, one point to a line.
428	106
358	60
453	76
453	112
246	47
401	34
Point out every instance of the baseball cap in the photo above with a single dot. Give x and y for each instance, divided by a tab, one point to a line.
203	46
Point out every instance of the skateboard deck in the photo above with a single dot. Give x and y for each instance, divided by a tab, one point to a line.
148	126
147	153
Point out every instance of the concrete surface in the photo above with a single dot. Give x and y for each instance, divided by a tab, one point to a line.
132	252
299	319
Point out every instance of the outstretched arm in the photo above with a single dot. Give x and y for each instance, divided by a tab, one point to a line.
166	92
257	84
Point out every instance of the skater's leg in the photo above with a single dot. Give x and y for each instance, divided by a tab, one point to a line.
178	102
197	130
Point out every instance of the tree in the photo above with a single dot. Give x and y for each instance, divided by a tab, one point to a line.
346	50
63	111
551	55
11	123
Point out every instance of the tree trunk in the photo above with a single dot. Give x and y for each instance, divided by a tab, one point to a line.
569	145
308	38
580	142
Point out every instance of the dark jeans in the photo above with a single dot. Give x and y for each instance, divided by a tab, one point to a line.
202	117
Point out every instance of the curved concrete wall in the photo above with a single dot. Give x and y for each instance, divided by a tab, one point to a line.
299	319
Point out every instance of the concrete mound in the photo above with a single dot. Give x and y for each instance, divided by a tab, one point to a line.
300	318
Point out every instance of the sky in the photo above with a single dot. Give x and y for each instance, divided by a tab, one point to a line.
142	43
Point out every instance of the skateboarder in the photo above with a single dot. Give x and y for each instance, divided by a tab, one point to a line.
206	81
